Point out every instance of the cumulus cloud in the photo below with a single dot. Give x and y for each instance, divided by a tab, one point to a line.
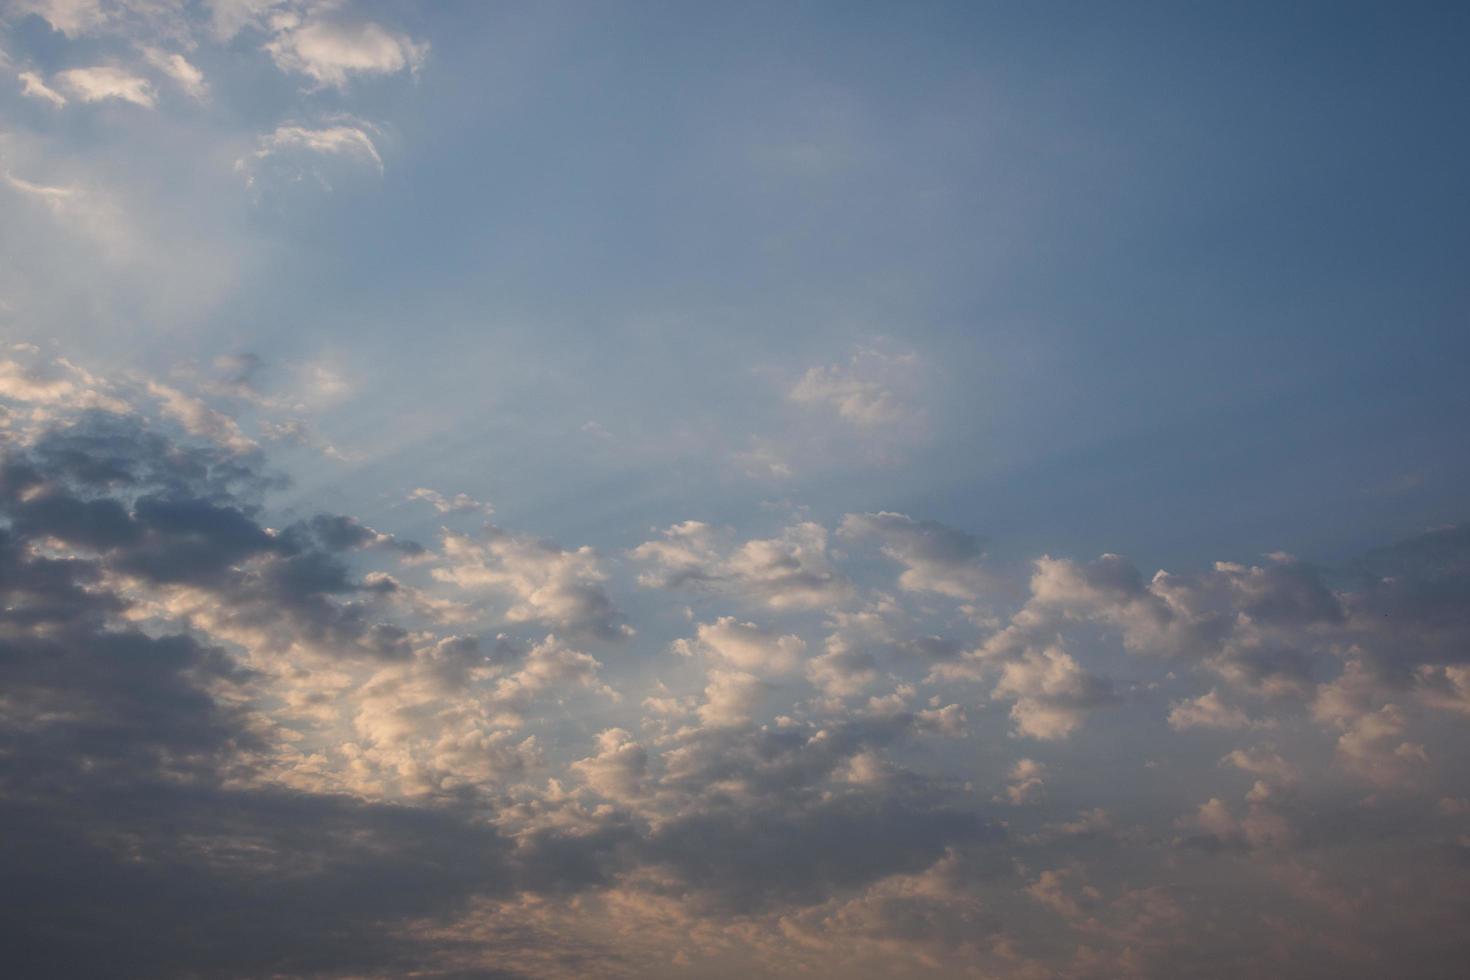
1051	693
1208	711
936	558
204	696
747	646
1026	781
546	583
791	571
873	389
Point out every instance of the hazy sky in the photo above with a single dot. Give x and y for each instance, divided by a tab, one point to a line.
727	490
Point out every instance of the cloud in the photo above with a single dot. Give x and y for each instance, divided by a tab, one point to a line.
1026	781
460	503
791	571
1208	711
936	558
103	82
331	52
746	646
1051	693
32	86
200	695
872	390
546	583
186	76
325	154
70	17
199	419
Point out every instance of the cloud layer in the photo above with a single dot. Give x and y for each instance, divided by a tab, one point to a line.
334	731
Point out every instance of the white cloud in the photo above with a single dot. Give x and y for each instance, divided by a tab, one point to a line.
936	558
460	503
331	53
189	78
546	583
747	646
730	697
873	389
792	571
102	82
33	87
292	147
71	17
1052	693
199	419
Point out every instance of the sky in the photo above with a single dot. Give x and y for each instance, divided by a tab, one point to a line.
496	490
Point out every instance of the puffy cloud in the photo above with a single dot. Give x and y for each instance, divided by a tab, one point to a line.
746	646
731	698
1051	692
1373	747
936	558
57	384
546	583
1208	711
197	697
873	389
619	770
792	571
1263	762
1261	827
1026	781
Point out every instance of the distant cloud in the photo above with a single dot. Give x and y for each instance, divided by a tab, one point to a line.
460	503
873	389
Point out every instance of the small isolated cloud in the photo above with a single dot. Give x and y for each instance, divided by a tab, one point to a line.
331	52
103	82
186	76
32	86
1026	781
873	389
460	503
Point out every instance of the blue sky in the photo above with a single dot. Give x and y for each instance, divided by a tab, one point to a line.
615	426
